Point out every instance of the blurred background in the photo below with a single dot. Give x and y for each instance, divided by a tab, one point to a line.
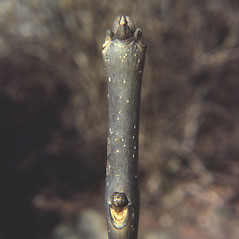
53	118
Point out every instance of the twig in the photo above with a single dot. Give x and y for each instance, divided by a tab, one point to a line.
124	56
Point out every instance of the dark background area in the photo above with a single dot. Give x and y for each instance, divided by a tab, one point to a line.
53	118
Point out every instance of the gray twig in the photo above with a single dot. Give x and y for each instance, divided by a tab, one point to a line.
124	56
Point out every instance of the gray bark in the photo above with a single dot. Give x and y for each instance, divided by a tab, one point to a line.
124	56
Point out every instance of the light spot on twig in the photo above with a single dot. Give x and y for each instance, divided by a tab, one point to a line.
127	101
107	169
124	81
109	79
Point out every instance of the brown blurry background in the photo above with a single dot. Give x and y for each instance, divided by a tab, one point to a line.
53	118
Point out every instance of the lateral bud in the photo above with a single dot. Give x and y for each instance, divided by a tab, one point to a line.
119	210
